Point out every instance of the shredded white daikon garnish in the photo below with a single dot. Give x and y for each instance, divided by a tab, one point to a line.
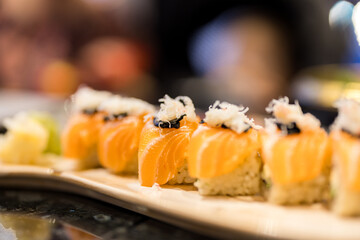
349	116
88	98
131	106
287	113
232	116
171	109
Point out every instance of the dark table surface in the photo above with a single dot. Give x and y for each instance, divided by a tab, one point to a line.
45	215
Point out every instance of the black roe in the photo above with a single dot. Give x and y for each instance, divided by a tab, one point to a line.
182	101
226	127
174	123
288	129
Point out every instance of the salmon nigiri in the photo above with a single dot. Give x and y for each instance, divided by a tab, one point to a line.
80	136
164	142
345	137
296	154
224	152
120	134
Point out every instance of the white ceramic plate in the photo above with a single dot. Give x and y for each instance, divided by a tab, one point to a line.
223	217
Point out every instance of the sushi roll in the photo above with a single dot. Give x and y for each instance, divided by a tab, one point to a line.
164	141
224	152
119	136
296	154
26	137
345	138
80	135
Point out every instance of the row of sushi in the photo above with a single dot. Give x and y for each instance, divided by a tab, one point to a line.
292	160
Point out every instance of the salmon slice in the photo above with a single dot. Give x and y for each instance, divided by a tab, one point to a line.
162	151
346	155
80	135
298	157
119	142
216	151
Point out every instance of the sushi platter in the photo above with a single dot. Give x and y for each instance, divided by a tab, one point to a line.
181	205
222	175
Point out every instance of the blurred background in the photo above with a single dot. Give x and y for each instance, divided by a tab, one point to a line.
244	52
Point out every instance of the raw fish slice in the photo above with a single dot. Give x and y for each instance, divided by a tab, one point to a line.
157	164
297	158
80	136
119	143
217	151
346	150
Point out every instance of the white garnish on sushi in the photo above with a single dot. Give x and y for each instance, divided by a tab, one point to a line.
131	106
287	113
88	98
171	108
232	116
348	117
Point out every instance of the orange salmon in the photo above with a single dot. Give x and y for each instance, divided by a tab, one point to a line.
297	157
162	151
346	154
80	136
214	151
119	143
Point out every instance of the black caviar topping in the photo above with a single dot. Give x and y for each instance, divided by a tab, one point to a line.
182	101
90	111
115	116
224	126
288	129
350	133
174	123
3	130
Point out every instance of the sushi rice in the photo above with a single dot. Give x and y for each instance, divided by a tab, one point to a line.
244	180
